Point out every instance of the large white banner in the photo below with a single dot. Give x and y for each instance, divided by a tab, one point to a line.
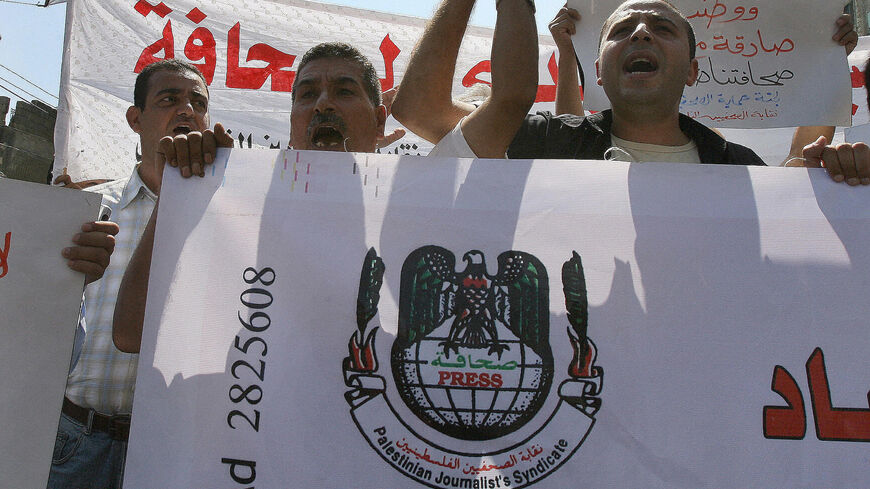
766	64
248	50
40	300
371	321
107	40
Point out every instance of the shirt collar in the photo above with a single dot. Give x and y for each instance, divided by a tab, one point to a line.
134	187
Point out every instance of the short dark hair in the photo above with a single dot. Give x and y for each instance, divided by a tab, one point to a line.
371	82
140	91
686	25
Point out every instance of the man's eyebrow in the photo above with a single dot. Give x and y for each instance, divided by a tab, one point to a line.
629	16
307	81
168	91
662	18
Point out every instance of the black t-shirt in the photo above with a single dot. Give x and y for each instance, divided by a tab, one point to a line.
547	136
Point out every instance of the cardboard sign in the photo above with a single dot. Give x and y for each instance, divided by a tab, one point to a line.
349	320
40	300
761	64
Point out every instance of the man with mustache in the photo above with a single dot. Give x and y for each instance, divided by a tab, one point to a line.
337	102
170	111
337	106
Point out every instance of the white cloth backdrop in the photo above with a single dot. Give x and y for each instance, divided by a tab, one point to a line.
105	40
771	64
702	282
39	307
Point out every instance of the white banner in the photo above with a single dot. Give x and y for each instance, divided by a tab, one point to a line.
342	320
107	39
769	64
248	50
40	299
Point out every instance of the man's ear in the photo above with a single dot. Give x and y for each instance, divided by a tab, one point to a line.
597	72
133	114
693	73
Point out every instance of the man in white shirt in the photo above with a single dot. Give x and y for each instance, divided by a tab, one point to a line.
170	100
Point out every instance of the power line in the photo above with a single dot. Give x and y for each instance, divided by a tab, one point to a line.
23	3
13	92
25	91
28	81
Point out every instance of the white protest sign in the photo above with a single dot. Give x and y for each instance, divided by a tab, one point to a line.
371	321
858	134
249	51
765	64
40	300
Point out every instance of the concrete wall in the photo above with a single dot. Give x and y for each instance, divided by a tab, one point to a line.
27	140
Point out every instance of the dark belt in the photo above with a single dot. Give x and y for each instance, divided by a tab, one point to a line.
118	427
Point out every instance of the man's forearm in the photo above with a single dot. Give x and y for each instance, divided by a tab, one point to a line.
568	99
515	55
133	293
424	103
491	128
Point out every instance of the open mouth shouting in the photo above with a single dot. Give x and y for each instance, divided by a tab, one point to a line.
182	128
326	132
641	64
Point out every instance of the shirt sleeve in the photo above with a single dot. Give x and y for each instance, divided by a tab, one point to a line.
453	145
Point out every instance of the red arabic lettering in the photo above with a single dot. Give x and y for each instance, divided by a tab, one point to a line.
721	10
858	80
145	8
739	46
739	11
254	78
787	422
4	255
452	464
471	78
390	52
165	44
196	15
778	48
201	46
546	93
834	424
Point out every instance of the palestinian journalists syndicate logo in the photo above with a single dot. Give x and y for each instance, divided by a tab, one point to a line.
472	361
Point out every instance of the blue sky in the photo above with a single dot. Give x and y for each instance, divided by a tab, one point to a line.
32	37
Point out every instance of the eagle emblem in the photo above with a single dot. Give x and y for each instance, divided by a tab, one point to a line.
472	356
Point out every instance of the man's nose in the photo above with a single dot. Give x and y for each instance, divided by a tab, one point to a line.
186	107
324	102
641	32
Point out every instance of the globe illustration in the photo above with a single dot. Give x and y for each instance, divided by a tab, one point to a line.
472	393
